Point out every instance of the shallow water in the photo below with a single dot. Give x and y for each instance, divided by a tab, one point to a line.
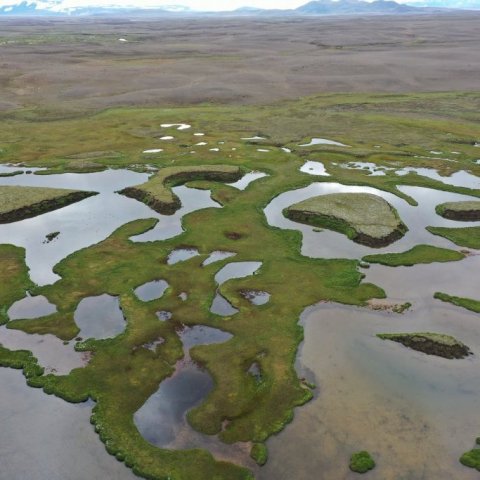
323	141
236	270
221	306
314	168
151	290
81	224
256	297
169	226
216	256
31	307
99	317
247	179
45	438
51	353
181	255
329	244
415	413
459	179
162	419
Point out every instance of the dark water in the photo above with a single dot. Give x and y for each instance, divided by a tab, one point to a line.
151	290
99	317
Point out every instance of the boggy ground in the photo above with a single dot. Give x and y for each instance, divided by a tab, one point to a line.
121	376
74	64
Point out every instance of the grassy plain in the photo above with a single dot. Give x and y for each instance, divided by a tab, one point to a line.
468	237
122	374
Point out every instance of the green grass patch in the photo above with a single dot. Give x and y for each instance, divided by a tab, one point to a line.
468	303
468	237
259	453
361	462
416	255
467	211
14	278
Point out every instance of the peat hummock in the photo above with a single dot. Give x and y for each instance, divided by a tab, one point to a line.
363	217
18	203
464	211
430	343
157	194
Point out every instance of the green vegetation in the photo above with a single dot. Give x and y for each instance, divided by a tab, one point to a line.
364	218
430	343
122	374
472	458
468	303
464	237
17	203
414	256
14	279
401	307
469	211
259	453
361	462
157	194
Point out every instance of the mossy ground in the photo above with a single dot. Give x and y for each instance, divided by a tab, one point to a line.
362	217
121	374
468	303
464	237
361	462
468	211
416	255
14	279
17	203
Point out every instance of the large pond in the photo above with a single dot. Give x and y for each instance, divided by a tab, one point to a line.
45	438
415	413
92	220
329	244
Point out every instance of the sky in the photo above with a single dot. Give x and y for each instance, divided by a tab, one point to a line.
193	4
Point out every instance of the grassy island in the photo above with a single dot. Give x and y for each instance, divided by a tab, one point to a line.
430	343
364	218
18	203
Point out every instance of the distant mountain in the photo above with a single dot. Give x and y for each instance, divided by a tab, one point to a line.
339	7
313	8
456	4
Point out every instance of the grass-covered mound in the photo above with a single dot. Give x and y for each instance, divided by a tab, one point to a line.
472	458
14	279
364	218
361	462
468	303
464	237
18	203
157	193
430	343
416	255
467	211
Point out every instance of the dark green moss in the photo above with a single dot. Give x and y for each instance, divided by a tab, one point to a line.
416	255
468	303
464	237
259	453
361	462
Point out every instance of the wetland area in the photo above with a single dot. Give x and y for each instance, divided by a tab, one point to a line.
240	288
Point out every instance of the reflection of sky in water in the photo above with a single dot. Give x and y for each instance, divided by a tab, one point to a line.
92	220
329	244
